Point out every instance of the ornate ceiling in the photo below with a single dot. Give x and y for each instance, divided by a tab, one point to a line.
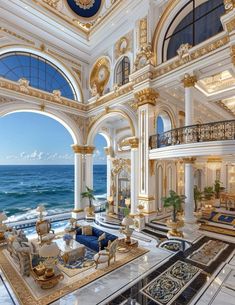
85	8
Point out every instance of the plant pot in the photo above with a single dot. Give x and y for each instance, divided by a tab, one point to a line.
174	226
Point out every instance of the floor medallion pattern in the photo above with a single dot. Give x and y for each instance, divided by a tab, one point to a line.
166	287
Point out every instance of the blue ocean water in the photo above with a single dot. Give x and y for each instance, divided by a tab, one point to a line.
23	187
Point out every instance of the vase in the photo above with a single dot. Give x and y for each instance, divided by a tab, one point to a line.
174	226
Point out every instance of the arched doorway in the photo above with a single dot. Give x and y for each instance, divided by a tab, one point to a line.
38	164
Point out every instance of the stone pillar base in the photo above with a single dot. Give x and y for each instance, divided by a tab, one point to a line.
78	214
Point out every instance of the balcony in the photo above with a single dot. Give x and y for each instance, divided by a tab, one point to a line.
216	131
216	138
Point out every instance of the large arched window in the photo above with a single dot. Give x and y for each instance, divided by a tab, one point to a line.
123	71
197	21
41	73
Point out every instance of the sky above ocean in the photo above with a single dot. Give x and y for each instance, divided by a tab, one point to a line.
31	138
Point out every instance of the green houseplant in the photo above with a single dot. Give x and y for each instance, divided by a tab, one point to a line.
208	193
197	194
89	193
175	201
217	188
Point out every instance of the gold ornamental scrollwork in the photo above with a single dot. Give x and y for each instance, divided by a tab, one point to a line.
146	96
130	142
189	81
52	3
189	160
144	57
230	26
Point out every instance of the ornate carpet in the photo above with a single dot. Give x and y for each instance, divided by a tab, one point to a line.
28	291
208	252
166	287
222	218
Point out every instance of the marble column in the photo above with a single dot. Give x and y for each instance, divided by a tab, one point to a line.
78	207
108	152
134	144
189	191
88	160
189	83
146	101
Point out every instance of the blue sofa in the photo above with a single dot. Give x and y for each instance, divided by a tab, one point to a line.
91	241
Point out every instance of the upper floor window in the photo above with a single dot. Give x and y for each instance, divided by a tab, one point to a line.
41	73
123	71
197	21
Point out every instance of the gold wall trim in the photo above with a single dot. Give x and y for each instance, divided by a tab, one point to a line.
130	142
9	32
146	96
146	198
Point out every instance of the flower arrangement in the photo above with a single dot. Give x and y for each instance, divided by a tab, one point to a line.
67	238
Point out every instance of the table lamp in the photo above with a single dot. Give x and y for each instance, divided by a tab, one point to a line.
127	222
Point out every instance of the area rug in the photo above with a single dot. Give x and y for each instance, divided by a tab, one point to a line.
166	287
218	230
222	218
28	291
81	265
208	252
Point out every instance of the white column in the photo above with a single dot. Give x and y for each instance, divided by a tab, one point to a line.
89	170
78	182
146	105
108	151
189	82
189	190
134	177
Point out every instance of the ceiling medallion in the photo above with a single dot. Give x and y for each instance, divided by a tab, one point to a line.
85	4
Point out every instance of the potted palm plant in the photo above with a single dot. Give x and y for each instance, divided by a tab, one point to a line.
175	201
197	198
89	193
217	189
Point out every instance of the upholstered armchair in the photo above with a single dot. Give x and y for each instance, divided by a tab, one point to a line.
45	234
106	255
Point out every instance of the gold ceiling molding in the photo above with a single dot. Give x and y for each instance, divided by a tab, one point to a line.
189	80
189	160
85	150
146	96
11	33
155	41
226	108
99	76
52	3
206	49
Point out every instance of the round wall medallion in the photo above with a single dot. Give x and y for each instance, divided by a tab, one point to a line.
85	8
99	76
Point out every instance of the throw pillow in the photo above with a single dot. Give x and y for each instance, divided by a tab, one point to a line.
86	230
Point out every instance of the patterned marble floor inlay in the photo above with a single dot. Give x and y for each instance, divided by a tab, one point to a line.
208	252
167	286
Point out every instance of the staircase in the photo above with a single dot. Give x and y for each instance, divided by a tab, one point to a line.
156	230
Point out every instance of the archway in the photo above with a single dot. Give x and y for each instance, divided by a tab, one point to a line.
163	122
39	148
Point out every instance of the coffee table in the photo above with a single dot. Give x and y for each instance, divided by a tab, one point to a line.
72	252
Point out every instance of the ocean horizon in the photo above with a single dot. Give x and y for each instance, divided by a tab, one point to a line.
24	187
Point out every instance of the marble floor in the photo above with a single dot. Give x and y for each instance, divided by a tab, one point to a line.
115	287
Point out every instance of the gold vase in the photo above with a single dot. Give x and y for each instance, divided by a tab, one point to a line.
174	226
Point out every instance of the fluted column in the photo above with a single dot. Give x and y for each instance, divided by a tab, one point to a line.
134	144
189	190
189	83
146	101
78	208
88	153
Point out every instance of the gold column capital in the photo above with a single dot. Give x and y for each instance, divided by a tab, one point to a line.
189	80
86	150
229	5
190	160
146	96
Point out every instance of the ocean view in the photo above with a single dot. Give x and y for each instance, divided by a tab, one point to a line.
24	187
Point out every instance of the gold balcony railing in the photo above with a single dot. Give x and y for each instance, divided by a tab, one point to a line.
215	131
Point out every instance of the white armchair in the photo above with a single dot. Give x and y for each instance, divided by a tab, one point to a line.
106	255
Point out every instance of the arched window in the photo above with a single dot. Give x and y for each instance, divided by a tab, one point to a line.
197	21
123	71
163	123
41	73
